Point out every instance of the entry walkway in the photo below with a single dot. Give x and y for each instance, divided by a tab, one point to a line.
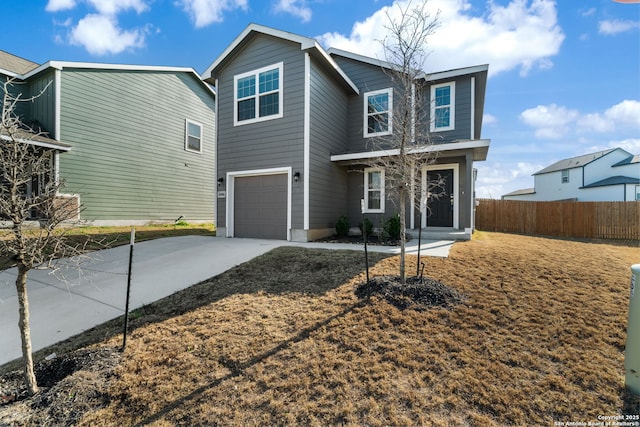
78	298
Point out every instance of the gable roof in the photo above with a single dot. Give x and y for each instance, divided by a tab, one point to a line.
576	162
613	180
14	64
306	44
521	192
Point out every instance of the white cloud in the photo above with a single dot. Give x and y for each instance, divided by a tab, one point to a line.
616	26
57	5
625	115
550	121
297	8
523	34
113	7
501	178
588	12
100	35
489	119
205	12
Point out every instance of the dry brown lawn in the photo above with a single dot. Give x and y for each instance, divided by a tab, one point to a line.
283	340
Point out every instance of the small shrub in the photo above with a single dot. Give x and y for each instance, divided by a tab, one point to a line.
342	226
392	227
366	226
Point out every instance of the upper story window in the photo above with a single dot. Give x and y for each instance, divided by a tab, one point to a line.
443	112
374	190
258	95
638	192
564	176
193	136
378	108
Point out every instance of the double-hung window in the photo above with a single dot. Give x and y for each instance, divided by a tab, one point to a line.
564	176
258	95
443	112
378	108
192	136
374	190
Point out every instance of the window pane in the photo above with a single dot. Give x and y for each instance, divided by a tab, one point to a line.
269	81
193	130
193	143
443	96
442	117
246	87
269	104
246	109
374	180
378	103
374	200
378	123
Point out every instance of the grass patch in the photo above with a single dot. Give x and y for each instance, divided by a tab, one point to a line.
284	340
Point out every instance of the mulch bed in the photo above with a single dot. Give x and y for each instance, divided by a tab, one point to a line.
417	293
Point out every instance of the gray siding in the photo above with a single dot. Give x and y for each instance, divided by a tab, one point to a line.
328	185
42	108
127	132
367	78
267	144
462	129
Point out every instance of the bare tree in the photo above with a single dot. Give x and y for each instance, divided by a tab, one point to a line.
30	210
407	147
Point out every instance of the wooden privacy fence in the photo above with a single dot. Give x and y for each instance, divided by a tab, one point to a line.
598	220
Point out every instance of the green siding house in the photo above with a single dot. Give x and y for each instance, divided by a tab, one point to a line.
136	144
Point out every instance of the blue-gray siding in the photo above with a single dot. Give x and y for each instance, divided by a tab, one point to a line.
127	131
328	135
268	144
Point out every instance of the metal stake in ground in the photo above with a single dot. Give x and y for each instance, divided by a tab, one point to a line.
126	308
364	237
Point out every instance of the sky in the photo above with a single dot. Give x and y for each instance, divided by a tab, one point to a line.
564	76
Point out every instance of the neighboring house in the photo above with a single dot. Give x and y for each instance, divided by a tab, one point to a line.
135	143
609	175
293	140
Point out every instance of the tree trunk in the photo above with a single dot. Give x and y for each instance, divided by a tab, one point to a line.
403	231
25	331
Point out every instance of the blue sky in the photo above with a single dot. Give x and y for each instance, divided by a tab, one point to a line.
564	75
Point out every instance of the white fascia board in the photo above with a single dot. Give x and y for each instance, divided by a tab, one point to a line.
38	143
9	73
305	42
462	145
441	75
335	65
361	58
60	65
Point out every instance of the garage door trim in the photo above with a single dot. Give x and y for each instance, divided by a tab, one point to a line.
231	176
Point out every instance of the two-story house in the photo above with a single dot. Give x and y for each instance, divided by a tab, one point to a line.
134	144
293	139
611	175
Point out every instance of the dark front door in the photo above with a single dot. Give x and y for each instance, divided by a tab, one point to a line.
440	204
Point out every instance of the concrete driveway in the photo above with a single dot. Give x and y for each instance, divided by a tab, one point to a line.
78	298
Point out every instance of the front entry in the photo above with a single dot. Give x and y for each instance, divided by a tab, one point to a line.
441	203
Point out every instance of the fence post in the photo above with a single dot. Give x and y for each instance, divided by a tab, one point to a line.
632	349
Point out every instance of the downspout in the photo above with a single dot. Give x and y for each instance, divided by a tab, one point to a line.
57	77
307	139
473	108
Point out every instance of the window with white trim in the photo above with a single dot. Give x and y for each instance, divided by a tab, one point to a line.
564	176
258	95
374	190
192	136
638	192
378	108
443	110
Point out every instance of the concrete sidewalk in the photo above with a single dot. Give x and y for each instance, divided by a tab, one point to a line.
78	298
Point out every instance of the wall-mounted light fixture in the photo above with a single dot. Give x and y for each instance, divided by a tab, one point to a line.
220	181
296	176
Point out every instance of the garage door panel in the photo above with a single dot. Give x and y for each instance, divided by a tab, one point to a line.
260	206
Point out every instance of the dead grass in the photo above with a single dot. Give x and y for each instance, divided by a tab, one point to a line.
283	340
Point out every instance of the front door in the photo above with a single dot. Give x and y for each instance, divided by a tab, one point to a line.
440	203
